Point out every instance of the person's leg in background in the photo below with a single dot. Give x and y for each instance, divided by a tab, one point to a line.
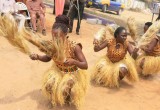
42	19
66	7
54	8
72	15
28	21
81	9
33	20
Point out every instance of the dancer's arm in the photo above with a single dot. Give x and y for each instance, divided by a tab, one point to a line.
43	58
132	51
100	46
81	62
151	46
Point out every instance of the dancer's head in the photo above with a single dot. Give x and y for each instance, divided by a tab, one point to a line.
120	34
147	25
60	26
59	35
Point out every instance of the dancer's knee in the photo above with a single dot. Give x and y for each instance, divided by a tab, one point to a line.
142	63
122	72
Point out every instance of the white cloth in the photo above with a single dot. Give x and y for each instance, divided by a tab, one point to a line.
7	6
122	66
1	5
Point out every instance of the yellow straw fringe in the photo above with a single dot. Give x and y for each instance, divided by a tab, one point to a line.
106	73
58	81
132	27
100	35
9	30
151	65
148	36
111	29
19	38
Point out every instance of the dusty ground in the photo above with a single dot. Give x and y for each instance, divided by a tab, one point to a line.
20	80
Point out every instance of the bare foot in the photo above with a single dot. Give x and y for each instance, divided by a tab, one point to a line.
50	106
49	85
70	83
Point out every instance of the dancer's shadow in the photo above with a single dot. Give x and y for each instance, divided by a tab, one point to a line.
147	77
36	95
111	90
126	85
65	107
122	85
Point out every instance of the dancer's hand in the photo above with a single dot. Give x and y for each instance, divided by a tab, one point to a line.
34	56
70	62
144	48
134	54
135	50
95	42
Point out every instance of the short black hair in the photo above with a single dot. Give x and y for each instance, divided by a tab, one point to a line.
148	24
118	31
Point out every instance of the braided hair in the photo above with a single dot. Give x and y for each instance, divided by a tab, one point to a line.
61	22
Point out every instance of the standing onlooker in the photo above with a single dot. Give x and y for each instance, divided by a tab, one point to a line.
74	13
36	7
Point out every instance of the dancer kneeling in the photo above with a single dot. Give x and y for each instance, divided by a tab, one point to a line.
148	63
117	63
64	82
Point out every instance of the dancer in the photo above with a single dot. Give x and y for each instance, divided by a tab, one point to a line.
151	48
117	63
64	82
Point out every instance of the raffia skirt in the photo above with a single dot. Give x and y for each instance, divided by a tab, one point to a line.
106	73
151	65
14	34
57	80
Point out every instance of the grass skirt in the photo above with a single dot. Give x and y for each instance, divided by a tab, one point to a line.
151	65
57	80
106	73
